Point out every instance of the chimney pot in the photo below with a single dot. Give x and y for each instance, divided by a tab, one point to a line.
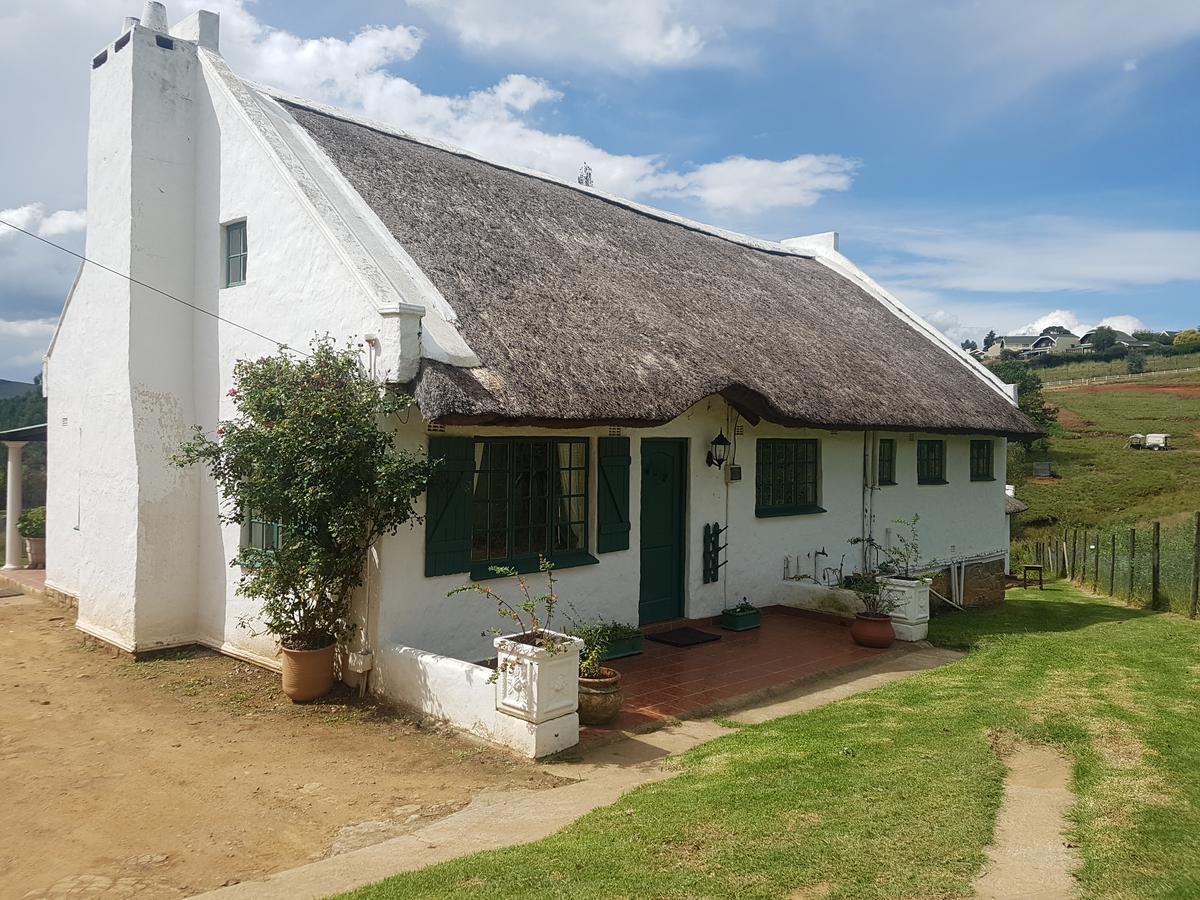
130	23
154	16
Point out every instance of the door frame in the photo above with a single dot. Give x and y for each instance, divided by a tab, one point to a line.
684	496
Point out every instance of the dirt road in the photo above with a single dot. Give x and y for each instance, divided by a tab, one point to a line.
160	779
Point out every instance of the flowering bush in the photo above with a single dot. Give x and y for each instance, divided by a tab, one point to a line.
309	448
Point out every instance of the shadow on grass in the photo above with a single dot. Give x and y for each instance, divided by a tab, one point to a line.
1060	607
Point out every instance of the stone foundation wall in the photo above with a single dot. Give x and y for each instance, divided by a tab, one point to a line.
984	584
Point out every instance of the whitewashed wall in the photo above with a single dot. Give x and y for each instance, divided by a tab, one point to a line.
412	610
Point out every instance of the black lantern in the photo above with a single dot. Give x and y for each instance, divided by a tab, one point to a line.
718	450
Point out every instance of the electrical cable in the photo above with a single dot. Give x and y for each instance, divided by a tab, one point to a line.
37	237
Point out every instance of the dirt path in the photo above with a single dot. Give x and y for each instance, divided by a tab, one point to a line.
162	779
1029	859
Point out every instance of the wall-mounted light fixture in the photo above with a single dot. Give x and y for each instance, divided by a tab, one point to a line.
718	450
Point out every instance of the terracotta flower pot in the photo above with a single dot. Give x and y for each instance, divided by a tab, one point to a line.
308	674
600	698
873	631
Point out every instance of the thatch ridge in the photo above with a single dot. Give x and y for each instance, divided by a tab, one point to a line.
587	311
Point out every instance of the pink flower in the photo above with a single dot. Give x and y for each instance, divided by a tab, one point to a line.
220	432
232	392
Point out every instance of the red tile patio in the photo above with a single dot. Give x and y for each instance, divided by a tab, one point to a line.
31	580
682	682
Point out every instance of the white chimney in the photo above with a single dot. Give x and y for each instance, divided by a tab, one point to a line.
154	16
130	23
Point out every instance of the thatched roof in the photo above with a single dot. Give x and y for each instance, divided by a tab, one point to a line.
584	310
1012	506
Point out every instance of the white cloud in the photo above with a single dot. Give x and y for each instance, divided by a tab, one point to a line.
606	34
1130	65
32	217
1038	254
747	185
24	342
1128	324
1064	317
499	121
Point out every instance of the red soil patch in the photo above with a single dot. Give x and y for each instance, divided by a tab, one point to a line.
1186	391
1072	420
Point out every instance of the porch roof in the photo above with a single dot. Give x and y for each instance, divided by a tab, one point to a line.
25	433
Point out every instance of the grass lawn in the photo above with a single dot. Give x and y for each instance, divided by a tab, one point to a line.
894	793
1100	481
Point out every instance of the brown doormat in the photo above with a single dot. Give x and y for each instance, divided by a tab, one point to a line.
683	637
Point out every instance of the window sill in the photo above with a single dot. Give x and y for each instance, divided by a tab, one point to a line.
787	511
983	478
888	483
482	571
933	482
233	285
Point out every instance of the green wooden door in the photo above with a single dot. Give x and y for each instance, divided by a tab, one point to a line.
664	496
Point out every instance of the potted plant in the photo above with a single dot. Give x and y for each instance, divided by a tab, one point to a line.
600	694
536	667
901	589
32	527
307	449
617	640
743	617
872	626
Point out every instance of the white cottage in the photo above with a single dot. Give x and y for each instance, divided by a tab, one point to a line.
573	355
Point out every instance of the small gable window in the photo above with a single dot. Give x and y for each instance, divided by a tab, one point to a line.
786	478
982	457
887	461
931	462
235	253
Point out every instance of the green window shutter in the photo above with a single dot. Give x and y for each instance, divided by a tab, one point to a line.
613	506
448	507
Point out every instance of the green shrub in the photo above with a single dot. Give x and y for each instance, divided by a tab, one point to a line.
32	523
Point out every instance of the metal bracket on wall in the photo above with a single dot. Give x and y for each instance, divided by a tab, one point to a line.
711	558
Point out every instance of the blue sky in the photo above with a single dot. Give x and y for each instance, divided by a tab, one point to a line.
998	164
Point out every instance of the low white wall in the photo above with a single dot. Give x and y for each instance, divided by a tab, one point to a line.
445	688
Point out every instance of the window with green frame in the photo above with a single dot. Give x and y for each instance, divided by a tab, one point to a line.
931	462
982	461
529	499
235	253
259	533
786	479
887	461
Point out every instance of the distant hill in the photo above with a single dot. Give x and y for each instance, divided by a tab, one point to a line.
14	388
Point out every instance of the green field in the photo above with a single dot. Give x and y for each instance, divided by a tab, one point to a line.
894	793
1099	481
1088	369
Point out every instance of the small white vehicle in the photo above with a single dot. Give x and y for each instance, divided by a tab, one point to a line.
1157	441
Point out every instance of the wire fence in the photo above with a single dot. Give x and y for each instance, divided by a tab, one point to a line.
1105	379
1154	565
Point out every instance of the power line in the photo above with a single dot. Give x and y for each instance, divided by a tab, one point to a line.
150	287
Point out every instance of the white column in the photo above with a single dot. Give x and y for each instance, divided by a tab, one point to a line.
12	539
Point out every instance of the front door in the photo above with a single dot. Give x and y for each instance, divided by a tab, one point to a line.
664	495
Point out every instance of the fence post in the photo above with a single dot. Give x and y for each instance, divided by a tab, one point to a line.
1083	560
1074	549
1096	565
1155	564
1132	558
1112	567
1195	570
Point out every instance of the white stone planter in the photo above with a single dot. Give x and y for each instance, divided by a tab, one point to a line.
910	618
537	694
